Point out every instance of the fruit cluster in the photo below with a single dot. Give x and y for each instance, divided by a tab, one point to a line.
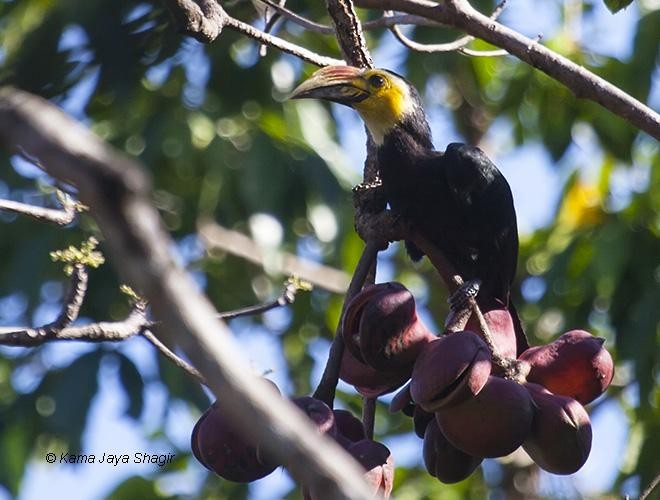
222	450
465	401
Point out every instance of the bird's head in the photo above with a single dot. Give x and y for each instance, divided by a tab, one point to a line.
383	99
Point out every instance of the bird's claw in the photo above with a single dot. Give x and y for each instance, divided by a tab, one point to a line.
366	186
463	294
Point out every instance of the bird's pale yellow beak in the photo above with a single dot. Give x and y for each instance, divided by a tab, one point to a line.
341	84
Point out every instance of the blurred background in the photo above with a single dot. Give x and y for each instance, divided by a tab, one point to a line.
213	127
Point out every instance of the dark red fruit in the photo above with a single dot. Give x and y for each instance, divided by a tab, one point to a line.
560	440
575	365
368	381
349	426
443	460
318	412
493	423
421	419
378	464
220	449
402	401
450	370
381	327
501	327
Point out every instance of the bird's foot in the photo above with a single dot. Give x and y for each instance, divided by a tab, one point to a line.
366	186
459	300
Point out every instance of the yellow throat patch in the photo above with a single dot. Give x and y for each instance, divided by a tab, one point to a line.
388	102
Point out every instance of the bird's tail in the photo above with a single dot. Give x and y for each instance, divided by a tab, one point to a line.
522	343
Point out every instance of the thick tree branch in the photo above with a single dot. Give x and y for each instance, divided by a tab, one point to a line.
582	82
118	192
348	31
216	237
104	331
204	20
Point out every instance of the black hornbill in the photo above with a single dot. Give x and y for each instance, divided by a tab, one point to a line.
457	199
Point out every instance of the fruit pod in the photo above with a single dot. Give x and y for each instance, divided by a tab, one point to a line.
575	365
443	460
318	412
220	449
560	440
381	327
348	426
368	381
501	328
450	370
492	424
378	464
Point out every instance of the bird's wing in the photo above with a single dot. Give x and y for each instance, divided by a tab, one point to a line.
481	192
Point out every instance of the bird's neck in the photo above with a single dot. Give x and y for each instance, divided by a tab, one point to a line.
401	147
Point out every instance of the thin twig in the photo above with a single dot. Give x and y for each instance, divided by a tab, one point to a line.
269	24
287	297
204	20
368	416
324	29
645	494
328	384
61	217
281	44
457	45
169	354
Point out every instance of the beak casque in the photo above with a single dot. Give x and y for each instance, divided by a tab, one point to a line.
341	84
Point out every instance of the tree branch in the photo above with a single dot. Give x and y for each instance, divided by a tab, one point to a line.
324	29
328	384
169	354
459	44
204	20
118	192
348	31
288	296
216	237
61	217
112	331
582	82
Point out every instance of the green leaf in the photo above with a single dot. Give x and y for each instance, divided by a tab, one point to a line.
136	487
616	5
71	390
133	384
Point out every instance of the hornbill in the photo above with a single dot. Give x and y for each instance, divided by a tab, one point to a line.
457	199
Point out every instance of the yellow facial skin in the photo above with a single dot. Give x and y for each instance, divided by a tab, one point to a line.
388	101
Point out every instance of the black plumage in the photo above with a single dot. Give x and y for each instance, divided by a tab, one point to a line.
457	199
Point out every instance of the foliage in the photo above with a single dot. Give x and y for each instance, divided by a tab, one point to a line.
210	124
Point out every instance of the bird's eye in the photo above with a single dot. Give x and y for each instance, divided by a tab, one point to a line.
376	81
